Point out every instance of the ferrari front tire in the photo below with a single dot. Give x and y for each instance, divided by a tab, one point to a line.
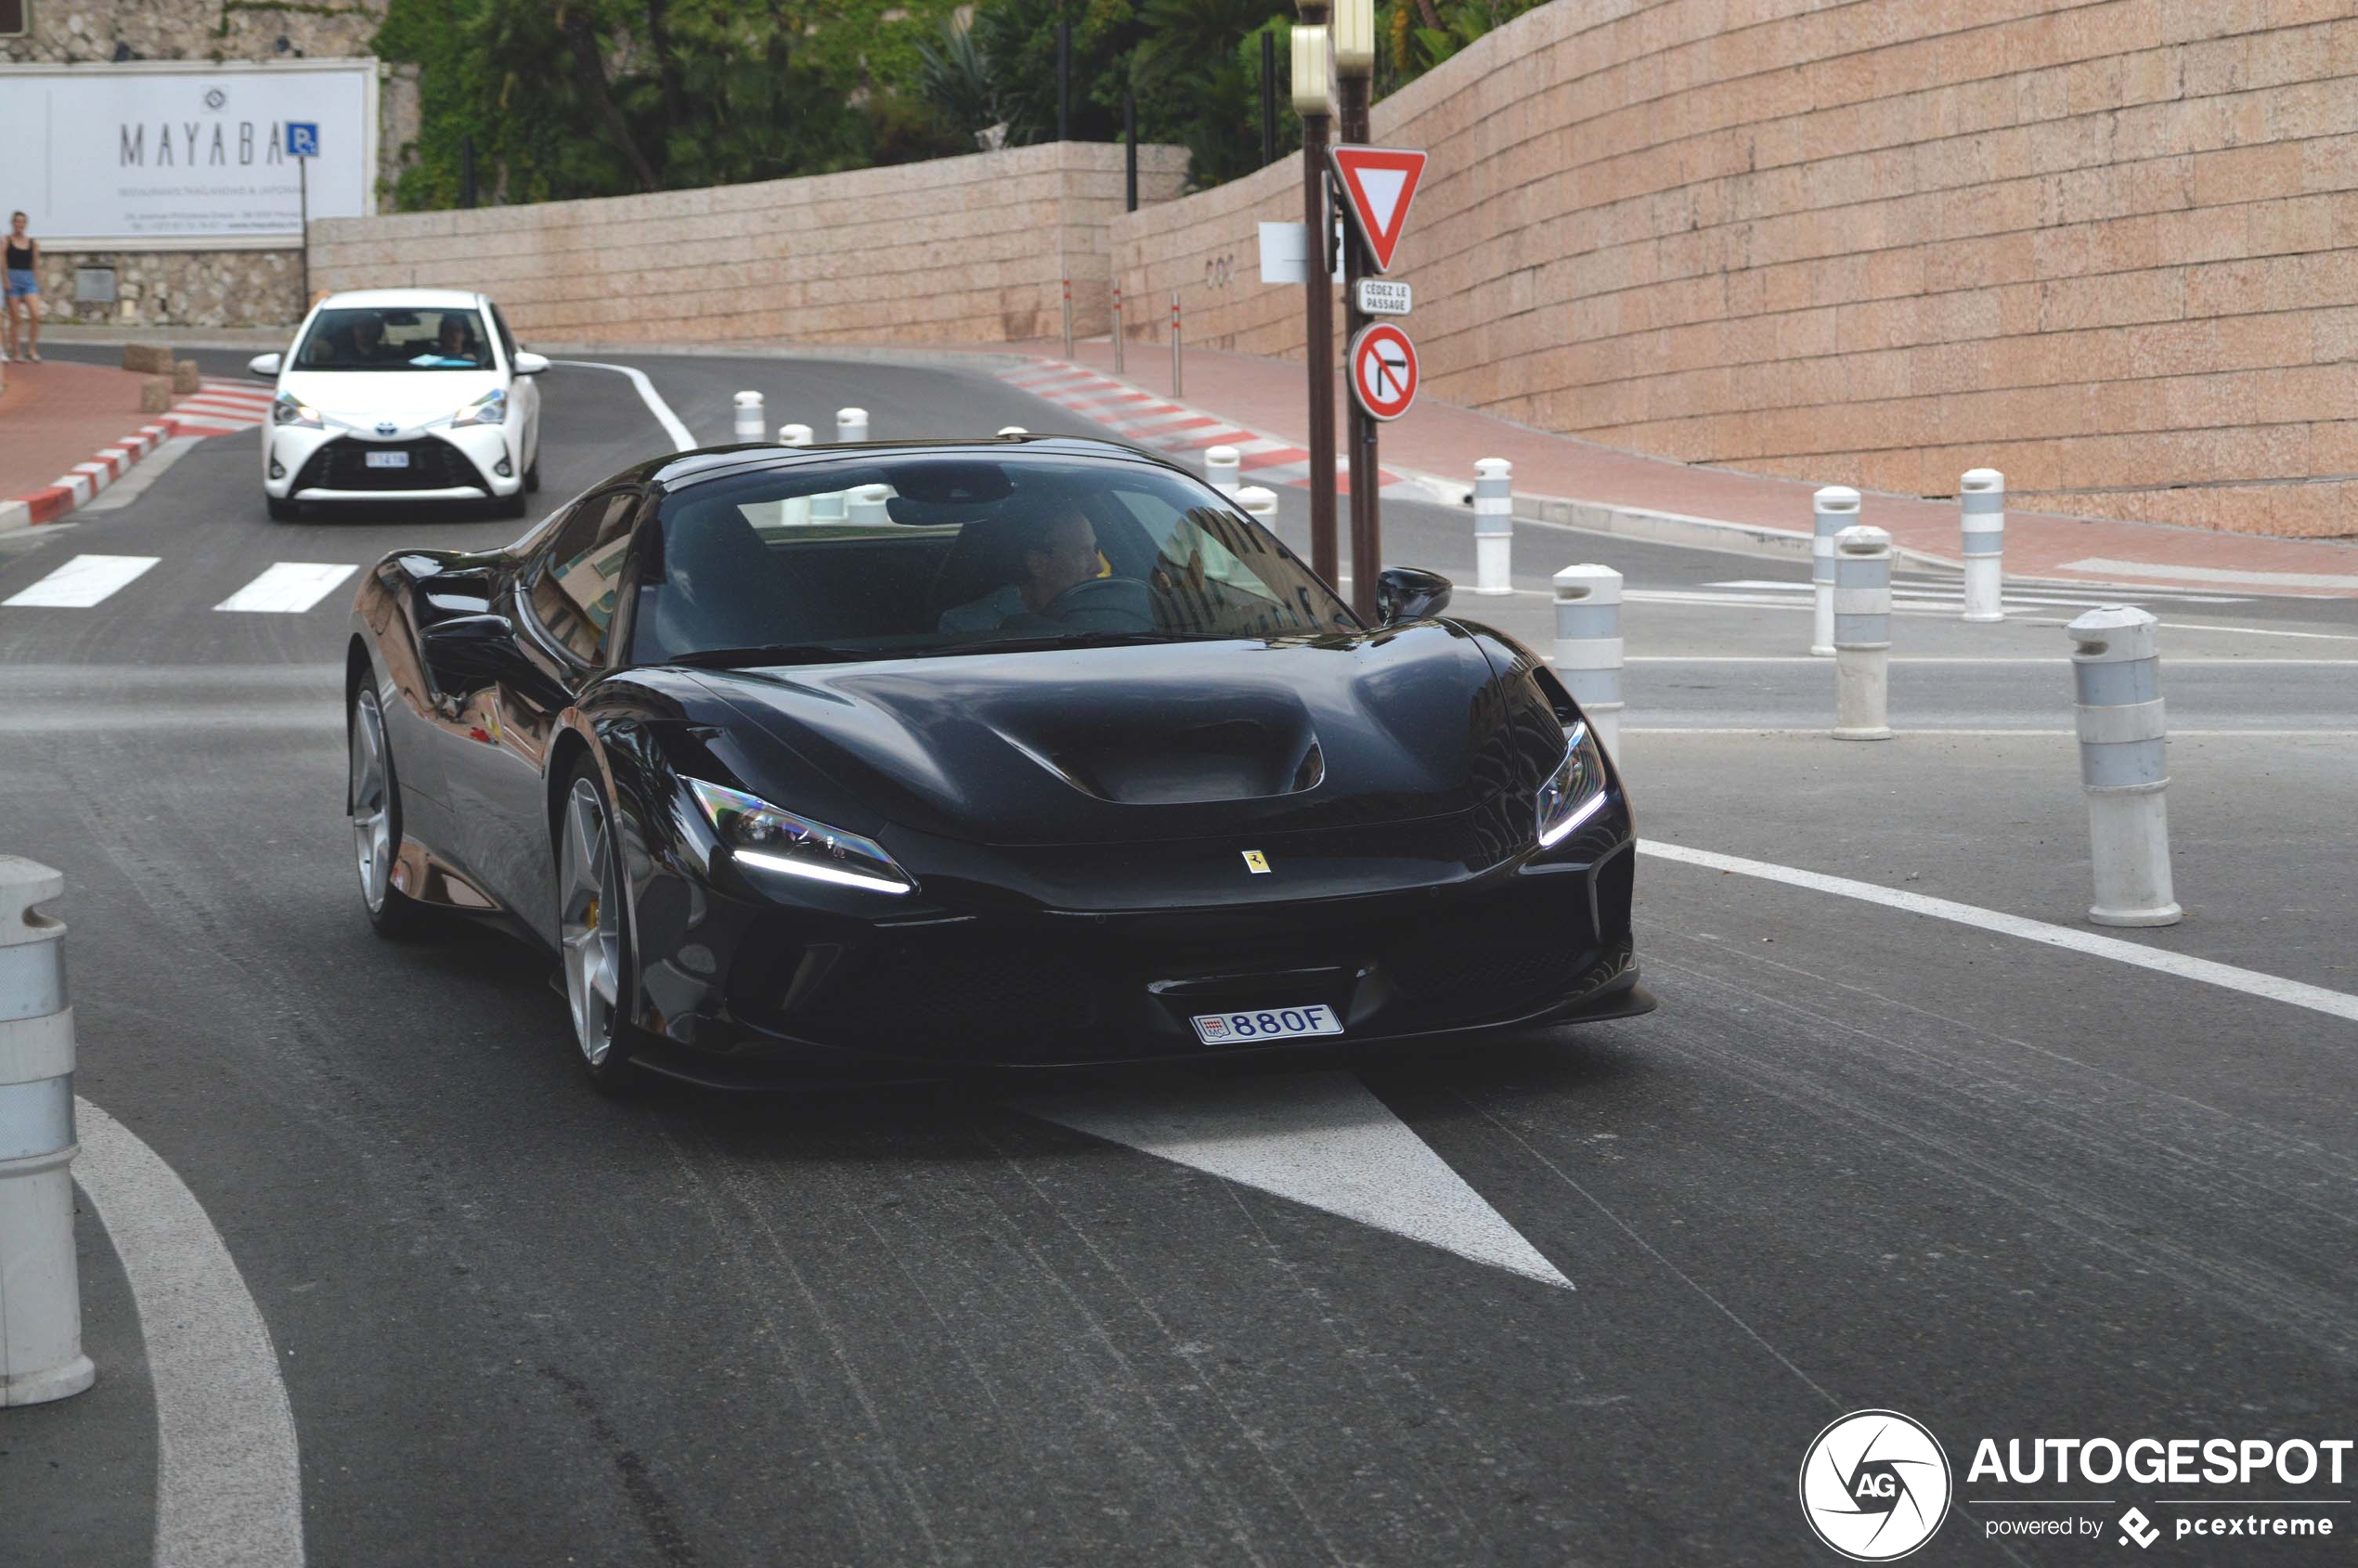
373	794
593	933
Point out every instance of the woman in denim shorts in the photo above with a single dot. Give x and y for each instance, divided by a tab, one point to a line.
23	294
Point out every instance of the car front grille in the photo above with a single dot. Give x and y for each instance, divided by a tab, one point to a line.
435	464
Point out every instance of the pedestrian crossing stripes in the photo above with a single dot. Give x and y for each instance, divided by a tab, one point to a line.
1950	591
286	588
1148	420
220	406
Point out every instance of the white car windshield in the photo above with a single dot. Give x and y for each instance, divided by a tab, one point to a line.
385	337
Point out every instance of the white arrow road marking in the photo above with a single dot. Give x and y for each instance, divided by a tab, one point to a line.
287	587
1318	1138
82	581
229	1486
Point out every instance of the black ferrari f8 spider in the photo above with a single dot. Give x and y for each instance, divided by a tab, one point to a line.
893	759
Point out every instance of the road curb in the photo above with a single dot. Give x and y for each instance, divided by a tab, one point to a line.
79	484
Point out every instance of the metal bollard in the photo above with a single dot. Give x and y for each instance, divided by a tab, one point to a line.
41	1355
1067	316
750	424
1862	634
851	424
1221	465
867	504
1494	524
794	435
1176	387
1117	329
1982	496
1589	646
2116	675
1013	430
1261	503
1836	509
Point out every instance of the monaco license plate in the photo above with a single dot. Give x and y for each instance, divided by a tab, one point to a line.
387	460
1274	1023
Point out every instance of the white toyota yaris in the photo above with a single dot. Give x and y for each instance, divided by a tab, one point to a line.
402	394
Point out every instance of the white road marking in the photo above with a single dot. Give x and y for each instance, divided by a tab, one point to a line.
1930	588
228	1482
287	587
2221	661
2213	573
1319	1139
682	440
2310	735
2317	999
82	581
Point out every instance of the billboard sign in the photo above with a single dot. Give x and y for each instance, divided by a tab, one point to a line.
180	155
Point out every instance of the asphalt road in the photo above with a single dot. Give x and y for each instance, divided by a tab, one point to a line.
1859	1159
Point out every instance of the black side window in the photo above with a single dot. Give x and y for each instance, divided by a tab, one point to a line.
571	585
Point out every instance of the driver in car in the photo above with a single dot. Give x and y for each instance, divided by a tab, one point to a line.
1060	555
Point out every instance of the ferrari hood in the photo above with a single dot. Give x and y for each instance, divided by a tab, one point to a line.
1170	742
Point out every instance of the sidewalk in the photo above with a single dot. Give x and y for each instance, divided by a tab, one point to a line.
1559	478
68	431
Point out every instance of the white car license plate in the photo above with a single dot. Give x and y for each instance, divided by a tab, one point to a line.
387	460
1274	1023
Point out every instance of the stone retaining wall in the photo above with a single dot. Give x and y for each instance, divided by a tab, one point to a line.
959	249
2105	247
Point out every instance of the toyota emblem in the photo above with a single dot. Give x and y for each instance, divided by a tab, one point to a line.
386	427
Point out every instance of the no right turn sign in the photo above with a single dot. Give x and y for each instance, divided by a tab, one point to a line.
1383	370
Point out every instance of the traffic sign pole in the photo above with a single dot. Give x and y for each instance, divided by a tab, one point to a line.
1318	300
302	200
1366	526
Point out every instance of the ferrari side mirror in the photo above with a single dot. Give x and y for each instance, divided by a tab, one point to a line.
265	366
466	652
1408	593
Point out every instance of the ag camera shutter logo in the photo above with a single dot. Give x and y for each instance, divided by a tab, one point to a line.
1875	1486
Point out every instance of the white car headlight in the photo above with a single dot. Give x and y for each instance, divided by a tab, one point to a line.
286	409
1575	791
772	838
489	408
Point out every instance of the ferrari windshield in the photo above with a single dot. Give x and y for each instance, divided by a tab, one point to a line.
941	554
397	338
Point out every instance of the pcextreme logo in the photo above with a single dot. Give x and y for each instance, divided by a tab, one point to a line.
1875	1486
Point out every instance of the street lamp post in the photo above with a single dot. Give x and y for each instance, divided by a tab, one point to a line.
1354	58
1309	103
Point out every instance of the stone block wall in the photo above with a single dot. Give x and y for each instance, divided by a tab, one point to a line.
958	250
2106	247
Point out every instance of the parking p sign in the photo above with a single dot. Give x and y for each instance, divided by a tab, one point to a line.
303	138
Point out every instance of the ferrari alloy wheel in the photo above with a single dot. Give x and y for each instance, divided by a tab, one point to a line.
592	929
374	797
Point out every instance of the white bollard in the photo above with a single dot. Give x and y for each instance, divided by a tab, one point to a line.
1982	497
1589	646
2116	675
867	504
1836	507
41	1355
1862	635
1221	466
794	435
750	424
851	424
1494	525
1013	430
1259	502
795	511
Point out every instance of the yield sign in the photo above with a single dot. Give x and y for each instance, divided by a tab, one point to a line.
1378	183
1383	370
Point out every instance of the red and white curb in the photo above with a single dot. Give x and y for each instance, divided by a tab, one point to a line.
216	409
1150	420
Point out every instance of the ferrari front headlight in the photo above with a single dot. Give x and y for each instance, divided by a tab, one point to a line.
1575	791
489	408
286	409
772	839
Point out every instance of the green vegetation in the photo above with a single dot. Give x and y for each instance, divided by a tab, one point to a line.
567	98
